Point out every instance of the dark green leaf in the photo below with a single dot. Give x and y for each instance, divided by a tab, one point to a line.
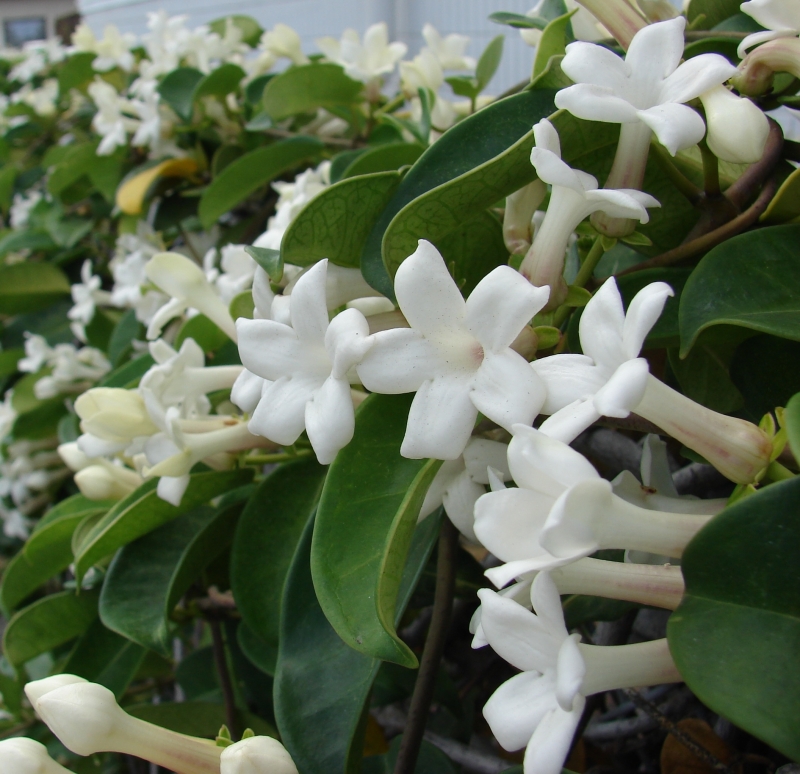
219	82
321	684
792	421
26	287
250	28
128	374
335	224
341	161
384	158
713	11
518	21
365	522
748	281
9	359
143	511
40	422
268	259
265	542
177	90
255	89
555	37
225	155
76	72
305	88
736	635
489	62
251	171
207	334
785	205
125	331
47	623
32	239
149	576
8	174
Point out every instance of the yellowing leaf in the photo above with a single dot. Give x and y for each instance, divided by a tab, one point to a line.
131	194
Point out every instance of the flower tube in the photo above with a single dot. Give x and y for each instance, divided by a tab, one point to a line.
518	216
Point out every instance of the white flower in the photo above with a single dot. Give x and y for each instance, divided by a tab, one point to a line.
256	755
113	49
518	215
43	100
238	270
72	369
450	50
38	353
540	708
574	196
86	296
610	380
737	128
308	364
8	414
111	122
367	61
113	414
38	56
459	483
21	208
131	254
456	354
26	756
780	18
279	42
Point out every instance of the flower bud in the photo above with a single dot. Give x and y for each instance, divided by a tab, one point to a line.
106	481
114	414
38	688
21	755
257	755
737	128
73	457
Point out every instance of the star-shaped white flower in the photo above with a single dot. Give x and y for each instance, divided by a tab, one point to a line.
308	365
367	61
449	50
456	355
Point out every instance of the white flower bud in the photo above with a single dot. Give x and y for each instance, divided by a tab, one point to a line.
737	128
73	457
38	688
114	414
257	755
21	755
106	481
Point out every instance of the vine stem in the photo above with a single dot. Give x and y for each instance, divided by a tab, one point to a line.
432	654
221	663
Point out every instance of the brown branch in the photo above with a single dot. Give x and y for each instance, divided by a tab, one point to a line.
221	663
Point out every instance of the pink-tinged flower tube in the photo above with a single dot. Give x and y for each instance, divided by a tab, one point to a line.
756	71
619	17
645	93
456	355
611	380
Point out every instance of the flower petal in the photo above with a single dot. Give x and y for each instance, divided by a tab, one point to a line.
444	478
589	63
694	76
551	169
308	307
246	391
601	326
654	53
550	743
517	707
400	360
623	392
441	419
280	414
546	603
426	292
570	672
459	503
507	390
347	341
508	522
595	103
567	378
619	204
269	349
171	488
569	422
500	306
481	454
329	419
676	126
643	311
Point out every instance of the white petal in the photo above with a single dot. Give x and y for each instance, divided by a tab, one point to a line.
570	672
774	14
262	294
308	307
517	707
441	419
696	75
595	103
280	414
601	326
444	478
549	746
546	602
551	169
546	137
329	419
623	392
400	360
347	341
459	503
589	63
426	292
271	350
656	50
619	204
676	126
644	310
246	391
525	568
568	378
507	390
508	522
482	454
171	488
500	306
569	422
655	468
762	37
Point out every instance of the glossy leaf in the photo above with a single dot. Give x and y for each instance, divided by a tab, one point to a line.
220	82
251	171
322	684
48	551
128	374
47	623
489	62
736	634
177	90
473	142
208	335
143	511
305	88
713	12
365	522
265	542
40	422
336	223
149	576
29	286
268	259
102	656
384	158
748	281
555	37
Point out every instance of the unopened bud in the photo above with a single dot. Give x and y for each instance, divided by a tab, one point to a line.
21	755
257	755
737	128
106	481
114	414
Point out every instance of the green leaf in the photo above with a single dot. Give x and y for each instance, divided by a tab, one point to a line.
431	760
125	331
9	359
102	656
34	240
242	305
76	72
268	259
736	634
792	423
341	161
748	281
554	41
148	576
219	82
250	28
714	11
206	333
305	88
265	542
251	171
48	623
336	223
489	62
48	551
518	20
255	89
321	684
128	374
785	205
196	718
40	422
384	158
468	145
464	86
28	287
177	90
8	174
143	511
365	522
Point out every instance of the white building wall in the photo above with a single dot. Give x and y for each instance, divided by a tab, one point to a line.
316	18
